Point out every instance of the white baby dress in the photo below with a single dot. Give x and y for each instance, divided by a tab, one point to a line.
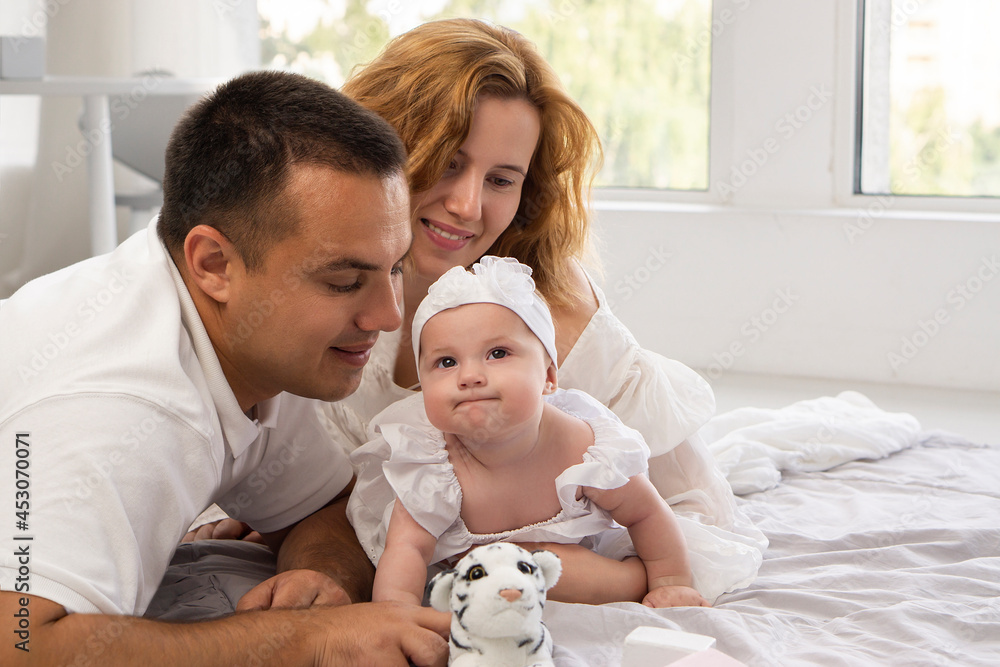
408	463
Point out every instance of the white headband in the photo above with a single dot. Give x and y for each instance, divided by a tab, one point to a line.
500	280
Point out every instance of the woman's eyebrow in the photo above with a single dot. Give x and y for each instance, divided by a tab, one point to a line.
512	167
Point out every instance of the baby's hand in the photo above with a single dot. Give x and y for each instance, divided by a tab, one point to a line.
674	596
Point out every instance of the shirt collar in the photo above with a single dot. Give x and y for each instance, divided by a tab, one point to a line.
238	430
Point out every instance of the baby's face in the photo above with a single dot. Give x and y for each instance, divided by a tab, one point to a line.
483	372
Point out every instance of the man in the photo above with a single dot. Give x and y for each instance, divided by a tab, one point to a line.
183	369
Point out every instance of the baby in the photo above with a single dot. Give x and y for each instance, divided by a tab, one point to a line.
491	450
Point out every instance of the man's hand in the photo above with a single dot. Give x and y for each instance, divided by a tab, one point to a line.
224	529
325	542
294	589
379	633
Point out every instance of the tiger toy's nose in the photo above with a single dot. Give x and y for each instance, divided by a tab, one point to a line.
510	594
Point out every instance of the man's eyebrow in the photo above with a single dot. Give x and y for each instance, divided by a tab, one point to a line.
511	167
346	264
354	264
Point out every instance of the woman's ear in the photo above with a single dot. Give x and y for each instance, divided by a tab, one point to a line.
210	259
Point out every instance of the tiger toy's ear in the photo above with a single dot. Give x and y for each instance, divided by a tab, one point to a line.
550	566
439	590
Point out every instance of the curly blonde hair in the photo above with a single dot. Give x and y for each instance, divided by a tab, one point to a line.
426	83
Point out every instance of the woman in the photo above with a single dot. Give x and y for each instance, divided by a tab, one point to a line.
501	162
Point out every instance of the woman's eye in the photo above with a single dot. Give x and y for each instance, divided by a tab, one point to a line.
502	182
497	354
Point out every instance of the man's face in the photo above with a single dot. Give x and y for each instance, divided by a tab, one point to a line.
306	322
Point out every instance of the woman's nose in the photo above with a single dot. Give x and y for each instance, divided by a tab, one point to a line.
464	201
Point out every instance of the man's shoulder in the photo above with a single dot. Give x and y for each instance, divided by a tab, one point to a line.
107	324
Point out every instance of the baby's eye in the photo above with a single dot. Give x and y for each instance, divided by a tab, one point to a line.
445	362
497	354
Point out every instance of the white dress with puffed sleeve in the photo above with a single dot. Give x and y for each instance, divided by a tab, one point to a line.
407	462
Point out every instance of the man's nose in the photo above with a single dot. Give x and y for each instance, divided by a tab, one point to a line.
383	310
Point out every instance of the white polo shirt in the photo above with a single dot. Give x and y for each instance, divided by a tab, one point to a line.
111	391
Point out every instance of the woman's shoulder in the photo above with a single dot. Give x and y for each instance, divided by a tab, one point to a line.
572	319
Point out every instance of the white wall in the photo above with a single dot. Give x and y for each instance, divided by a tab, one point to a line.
791	274
43	212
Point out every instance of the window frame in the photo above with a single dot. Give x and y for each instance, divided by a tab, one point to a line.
839	148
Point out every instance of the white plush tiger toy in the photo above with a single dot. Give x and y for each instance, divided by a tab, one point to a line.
496	595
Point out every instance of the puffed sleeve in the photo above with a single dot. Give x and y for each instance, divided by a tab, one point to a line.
405	461
421	476
618	453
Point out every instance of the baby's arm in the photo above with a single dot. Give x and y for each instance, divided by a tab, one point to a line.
402	570
657	540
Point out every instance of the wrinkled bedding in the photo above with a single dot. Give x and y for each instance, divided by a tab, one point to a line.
887	562
883	549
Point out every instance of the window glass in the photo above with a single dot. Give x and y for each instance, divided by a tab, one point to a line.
931	98
640	69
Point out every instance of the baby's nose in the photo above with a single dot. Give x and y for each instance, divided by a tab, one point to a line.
510	594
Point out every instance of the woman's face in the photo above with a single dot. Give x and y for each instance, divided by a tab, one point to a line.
459	218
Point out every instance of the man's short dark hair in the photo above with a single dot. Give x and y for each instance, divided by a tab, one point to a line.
229	158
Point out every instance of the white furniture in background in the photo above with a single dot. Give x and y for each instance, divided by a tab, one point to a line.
135	114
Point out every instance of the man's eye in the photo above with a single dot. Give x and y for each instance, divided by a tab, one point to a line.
343	289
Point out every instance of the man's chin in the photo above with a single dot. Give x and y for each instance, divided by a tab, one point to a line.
343	389
330	393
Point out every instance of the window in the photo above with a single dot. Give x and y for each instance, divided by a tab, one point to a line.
930	98
640	69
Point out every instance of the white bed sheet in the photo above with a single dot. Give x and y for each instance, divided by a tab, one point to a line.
893	561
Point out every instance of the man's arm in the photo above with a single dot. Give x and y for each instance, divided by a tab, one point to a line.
368	634
319	562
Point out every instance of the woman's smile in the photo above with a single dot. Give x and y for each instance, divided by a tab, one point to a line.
446	237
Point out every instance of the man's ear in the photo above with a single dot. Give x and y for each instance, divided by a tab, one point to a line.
210	259
551	379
